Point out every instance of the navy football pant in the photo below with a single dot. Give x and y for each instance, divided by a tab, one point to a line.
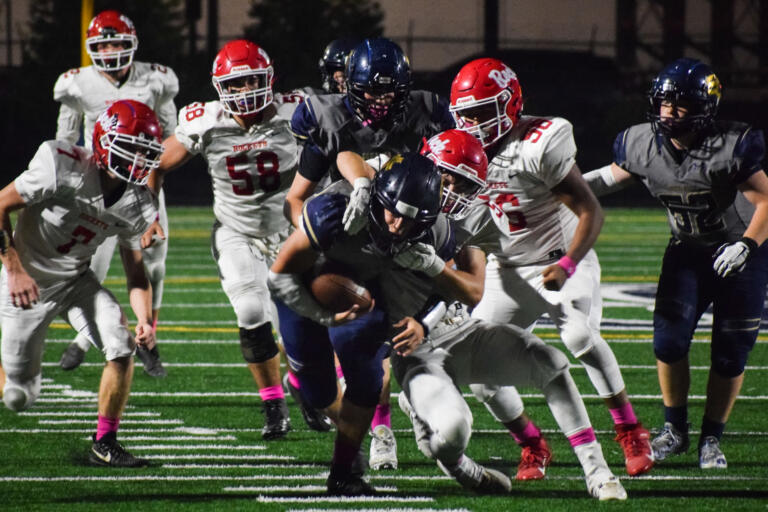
358	344
688	286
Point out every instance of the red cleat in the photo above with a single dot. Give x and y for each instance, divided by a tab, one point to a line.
635	441
534	461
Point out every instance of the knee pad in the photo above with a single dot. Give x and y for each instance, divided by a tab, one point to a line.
450	437
18	397
504	403
577	338
732	341
548	363
603	369
258	345
671	329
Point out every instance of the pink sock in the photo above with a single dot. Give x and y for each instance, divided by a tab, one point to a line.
154	325
381	417
105	426
294	380
582	437
624	414
339	372
271	393
529	433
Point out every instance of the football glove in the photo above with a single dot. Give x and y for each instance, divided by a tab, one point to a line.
422	258
731	258
356	215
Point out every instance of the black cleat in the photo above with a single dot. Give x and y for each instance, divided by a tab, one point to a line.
72	357
277	423
352	485
108	452
151	361
314	419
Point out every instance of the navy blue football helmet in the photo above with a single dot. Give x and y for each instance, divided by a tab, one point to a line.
410	186
691	82
335	59
378	66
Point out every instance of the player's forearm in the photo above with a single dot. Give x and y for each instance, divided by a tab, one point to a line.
141	303
459	285
352	166
587	231
757	229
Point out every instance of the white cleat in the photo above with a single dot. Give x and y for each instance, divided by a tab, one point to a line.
471	475
383	449
710	454
601	483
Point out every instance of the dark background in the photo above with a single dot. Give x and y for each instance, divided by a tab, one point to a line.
600	96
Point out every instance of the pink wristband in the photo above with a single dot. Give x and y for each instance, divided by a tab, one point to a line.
568	265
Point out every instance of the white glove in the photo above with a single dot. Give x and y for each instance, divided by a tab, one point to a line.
731	258
421	257
356	215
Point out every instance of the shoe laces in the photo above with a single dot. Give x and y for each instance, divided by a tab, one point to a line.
534	455
634	442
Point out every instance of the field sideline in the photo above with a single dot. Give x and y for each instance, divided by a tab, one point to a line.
200	426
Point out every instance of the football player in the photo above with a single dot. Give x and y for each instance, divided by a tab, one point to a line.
548	220
70	201
252	158
111	43
333	64
708	175
378	116
462	350
313	334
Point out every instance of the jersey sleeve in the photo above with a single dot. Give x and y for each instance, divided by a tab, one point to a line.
620	150
194	121
38	182
441	116
321	219
166	109
313	162
68	124
558	154
749	154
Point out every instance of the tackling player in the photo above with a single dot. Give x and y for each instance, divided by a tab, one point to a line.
708	175
252	158
70	201
548	220
84	93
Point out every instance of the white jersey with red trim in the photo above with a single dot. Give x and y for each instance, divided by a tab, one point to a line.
65	219
533	158
252	169
86	92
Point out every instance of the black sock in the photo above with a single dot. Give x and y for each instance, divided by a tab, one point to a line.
678	417
711	428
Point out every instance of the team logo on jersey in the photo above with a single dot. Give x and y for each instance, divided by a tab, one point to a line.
502	76
713	86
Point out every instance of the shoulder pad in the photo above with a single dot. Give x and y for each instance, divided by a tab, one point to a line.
321	219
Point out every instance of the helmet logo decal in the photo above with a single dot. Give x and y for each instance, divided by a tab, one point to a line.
502	77
392	161
263	53
437	145
713	85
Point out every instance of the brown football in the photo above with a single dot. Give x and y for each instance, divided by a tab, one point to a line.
339	293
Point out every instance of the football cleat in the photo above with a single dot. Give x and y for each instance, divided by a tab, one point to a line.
471	475
383	453
669	442
606	487
635	441
314	419
421	430
351	485
108	452
277	422
72	357
710	454
534	460
151	361
601	483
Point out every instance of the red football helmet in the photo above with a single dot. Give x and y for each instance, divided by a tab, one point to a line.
459	155
242	75
111	27
486	99
127	140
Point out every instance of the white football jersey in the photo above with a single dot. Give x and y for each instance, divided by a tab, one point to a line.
251	170
65	219
85	93
533	158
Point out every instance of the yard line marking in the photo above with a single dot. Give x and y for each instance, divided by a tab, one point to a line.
347	499
150	478
196	446
122	422
379	510
278	488
124	438
244	466
219	457
177	430
53	413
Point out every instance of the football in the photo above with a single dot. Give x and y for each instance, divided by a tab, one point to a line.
338	293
